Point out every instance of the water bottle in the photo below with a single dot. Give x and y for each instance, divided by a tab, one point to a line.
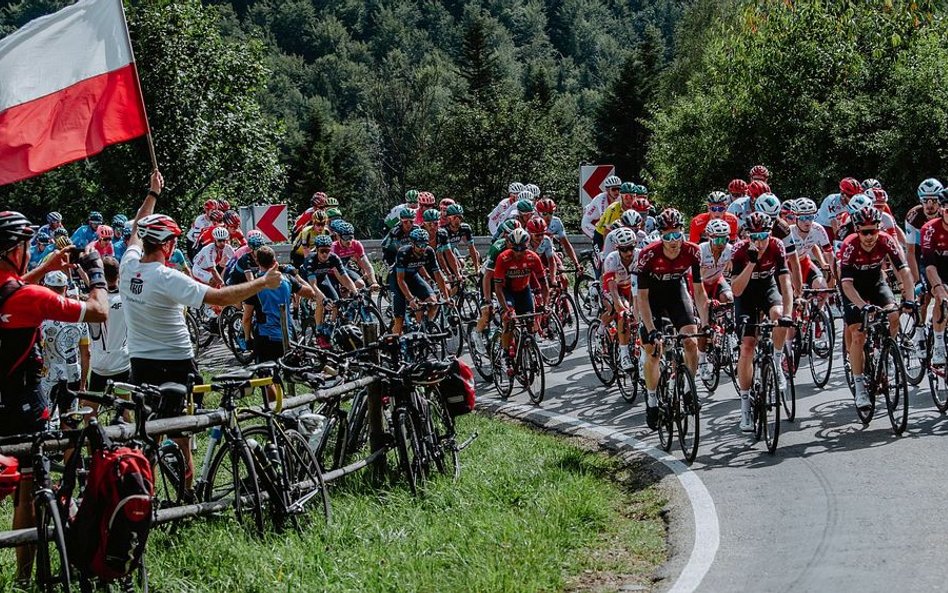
313	426
273	456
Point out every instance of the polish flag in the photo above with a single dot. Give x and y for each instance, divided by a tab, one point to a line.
68	89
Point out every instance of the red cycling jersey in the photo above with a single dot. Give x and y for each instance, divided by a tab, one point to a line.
515	272
653	266
700	222
935	242
772	261
858	264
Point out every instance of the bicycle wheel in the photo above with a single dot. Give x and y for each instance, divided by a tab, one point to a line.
687	413
565	309
169	469
627	381
469	306
52	561
587	301
869	374
358	429
713	354
532	371
477	346
550	341
666	420
232	331
502	375
770	406
406	448
233	478
938	385
914	357
452	324
447	458
821	342
789	395
891	380
304	474
194	333
600	353
847	367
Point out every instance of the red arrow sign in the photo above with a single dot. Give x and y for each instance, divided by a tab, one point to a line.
265	223
593	184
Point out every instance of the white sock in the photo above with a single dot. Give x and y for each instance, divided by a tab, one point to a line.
652	399
745	402
860	382
919	334
940	340
778	358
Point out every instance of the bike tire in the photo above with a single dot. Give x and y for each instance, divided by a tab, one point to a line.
600	353
891	376
447	456
243	491
586	304
626	381
568	315
938	385
847	369
453	325
914	359
821	331
302	466
666	420
503	381
552	347
194	333
405	449
480	356
169	470
770	405
532	366
52	568
788	397
713	354
688	413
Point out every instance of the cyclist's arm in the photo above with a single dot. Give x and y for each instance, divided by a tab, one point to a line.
701	300
739	282
786	292
645	308
851	293
473	255
344	279
148	205
84	359
796	277
232	295
913	264
570	252
403	286
367	270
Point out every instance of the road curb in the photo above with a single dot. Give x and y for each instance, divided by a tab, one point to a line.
707	535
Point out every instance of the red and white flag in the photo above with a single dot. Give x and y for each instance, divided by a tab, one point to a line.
68	89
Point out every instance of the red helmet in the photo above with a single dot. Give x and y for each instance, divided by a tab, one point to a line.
756	188
737	188
759	173
215	215
426	198
9	475
231	218
670	218
224	205
536	226
444	203
641	204
319	200
211	205
545	206
878	195
158	228
850	187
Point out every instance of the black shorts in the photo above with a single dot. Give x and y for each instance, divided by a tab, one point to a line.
97	382
754	302
24	417
878	294
156	372
671	300
266	350
58	397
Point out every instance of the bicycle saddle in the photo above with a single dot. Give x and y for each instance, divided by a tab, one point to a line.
234	376
173	390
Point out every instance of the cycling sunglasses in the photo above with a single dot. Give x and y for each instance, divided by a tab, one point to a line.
420	244
759	236
719	240
868	232
717	208
626	248
806	218
347	237
519	247
673	236
323	250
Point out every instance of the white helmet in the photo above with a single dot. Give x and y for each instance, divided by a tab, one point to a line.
525	195
930	188
624	237
858	202
515	187
55	279
718	228
767	203
220	233
611	181
533	189
631	218
805	206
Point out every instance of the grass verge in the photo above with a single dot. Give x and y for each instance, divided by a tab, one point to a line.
531	512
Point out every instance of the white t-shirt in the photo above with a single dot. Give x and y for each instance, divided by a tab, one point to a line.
60	340
109	341
711	269
154	297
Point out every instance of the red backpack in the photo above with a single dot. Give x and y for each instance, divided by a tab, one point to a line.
457	388
107	537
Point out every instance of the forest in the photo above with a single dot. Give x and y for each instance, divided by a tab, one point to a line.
267	101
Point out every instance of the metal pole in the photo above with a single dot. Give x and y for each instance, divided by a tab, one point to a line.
141	96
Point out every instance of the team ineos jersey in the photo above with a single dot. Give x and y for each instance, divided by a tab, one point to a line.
711	268
815	237
613	268
654	268
858	265
515	273
935	244
914	221
410	263
772	261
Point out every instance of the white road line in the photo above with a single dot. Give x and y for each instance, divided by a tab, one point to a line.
707	533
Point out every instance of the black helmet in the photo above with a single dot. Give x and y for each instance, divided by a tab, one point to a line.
429	372
348	338
14	229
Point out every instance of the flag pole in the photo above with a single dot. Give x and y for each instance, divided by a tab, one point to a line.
138	82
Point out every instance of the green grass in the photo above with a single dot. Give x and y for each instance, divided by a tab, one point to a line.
531	512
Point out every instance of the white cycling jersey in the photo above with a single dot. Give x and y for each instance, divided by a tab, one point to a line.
593	212
208	258
613	268
200	223
499	214
816	237
711	268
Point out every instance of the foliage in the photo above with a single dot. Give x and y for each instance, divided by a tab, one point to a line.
814	90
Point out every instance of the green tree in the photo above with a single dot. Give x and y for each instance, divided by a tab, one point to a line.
479	64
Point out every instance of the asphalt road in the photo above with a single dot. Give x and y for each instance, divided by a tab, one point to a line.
840	507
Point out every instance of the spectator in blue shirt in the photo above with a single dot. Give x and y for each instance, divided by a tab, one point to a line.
87	232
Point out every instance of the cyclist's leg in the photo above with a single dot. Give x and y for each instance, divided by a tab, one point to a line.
681	312
398	304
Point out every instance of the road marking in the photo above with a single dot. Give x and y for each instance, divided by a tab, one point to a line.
707	533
